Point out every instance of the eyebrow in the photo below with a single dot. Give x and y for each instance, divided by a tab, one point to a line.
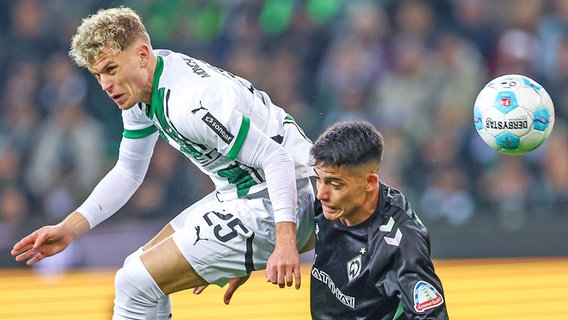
330	179
103	68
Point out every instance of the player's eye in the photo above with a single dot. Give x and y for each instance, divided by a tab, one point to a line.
336	185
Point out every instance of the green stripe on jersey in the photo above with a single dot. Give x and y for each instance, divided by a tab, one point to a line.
137	134
399	311
290	119
243	131
157	96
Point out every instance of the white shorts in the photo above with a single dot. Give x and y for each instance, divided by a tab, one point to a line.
227	239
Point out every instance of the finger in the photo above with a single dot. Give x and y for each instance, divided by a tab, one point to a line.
289	278
229	293
281	278
270	276
26	255
40	239
23	245
298	278
20	248
198	290
38	257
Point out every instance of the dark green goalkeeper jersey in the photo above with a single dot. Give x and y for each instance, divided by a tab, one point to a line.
379	269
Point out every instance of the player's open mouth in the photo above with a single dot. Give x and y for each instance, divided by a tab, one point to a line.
326	208
117	98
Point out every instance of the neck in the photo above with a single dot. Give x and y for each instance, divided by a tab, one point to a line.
151	70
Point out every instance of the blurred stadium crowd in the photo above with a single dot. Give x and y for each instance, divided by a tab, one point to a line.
412	67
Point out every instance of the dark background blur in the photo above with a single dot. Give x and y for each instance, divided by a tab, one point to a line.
412	67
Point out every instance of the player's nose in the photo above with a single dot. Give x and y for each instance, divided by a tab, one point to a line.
105	82
322	192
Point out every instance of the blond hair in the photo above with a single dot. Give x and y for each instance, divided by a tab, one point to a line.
109	29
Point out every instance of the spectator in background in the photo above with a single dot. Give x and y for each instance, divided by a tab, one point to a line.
282	82
462	73
404	99
15	205
554	192
68	158
472	21
29	35
20	113
552	32
506	188
64	85
518	45
556	82
447	198
354	61
416	19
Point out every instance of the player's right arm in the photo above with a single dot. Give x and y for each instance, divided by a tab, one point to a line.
116	188
110	194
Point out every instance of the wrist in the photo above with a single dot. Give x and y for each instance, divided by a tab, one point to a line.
286	233
75	225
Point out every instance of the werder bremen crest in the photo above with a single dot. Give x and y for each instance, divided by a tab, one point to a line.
354	268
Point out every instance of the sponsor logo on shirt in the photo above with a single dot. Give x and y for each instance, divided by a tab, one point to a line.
326	279
426	296
216	126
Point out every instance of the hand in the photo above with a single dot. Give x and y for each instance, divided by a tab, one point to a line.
283	266
42	243
234	284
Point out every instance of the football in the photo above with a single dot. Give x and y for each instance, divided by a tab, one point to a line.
513	114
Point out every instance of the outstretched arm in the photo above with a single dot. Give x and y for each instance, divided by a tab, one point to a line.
109	195
50	240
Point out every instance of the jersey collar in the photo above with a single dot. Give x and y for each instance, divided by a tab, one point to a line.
156	95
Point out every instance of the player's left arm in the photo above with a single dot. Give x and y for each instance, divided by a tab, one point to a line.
259	150
420	288
238	138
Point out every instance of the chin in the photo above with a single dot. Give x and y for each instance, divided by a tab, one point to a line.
125	106
330	216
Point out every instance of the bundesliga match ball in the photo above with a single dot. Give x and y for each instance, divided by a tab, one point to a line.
513	114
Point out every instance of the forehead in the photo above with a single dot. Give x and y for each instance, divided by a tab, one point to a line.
102	59
108	56
331	172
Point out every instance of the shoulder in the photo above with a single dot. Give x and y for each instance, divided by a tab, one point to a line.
396	209
396	202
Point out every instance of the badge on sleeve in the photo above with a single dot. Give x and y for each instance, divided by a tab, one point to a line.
426	296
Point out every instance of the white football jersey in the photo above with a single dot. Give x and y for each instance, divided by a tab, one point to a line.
205	112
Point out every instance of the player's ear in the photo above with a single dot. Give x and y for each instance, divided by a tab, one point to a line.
143	53
372	181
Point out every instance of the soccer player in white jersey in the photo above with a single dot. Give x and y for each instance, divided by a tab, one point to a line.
260	215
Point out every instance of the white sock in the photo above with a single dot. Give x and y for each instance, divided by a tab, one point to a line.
136	292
